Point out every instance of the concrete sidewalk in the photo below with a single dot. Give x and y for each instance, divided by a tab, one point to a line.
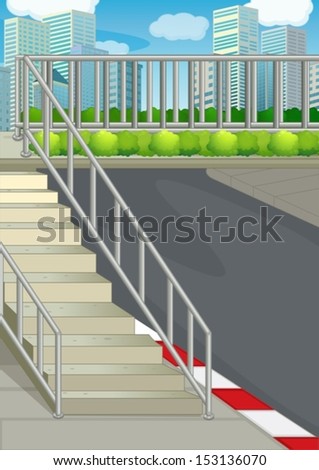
26	423
293	191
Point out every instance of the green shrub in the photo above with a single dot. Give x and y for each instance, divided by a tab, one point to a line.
165	144
77	149
104	143
144	140
263	140
204	137
189	143
308	143
54	143
247	143
223	143
284	143
127	143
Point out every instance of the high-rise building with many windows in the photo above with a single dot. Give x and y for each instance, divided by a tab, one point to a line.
284	40
69	29
4	98
235	31
115	80
23	36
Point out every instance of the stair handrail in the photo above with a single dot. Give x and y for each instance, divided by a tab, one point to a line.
90	223
23	284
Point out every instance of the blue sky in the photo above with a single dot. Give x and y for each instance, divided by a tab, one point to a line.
128	22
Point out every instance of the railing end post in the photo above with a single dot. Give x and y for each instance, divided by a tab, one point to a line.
208	416
58	416
25	154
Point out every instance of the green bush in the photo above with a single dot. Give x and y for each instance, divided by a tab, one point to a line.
104	143
77	149
54	143
284	143
204	137
127	143
263	140
247	143
223	143
144	140
189	143
308	143
165	144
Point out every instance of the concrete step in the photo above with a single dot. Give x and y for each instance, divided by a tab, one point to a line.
90	377
34	212
98	349
27	196
76	318
22	180
32	234
53	259
62	287
131	403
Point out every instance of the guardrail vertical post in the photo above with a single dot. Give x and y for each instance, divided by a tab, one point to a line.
277	94
175	90
220	95
149	91
254	105
93	196
123	67
97	91
190	341
45	111
201	82
170	311
19	311
40	341
135	95
78	94
117	231
17	130
191	85
70	161
58	377
106	77
305	93
248	92
163	94
208	382
228	91
141	268
26	118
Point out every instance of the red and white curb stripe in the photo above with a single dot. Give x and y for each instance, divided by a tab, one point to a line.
282	429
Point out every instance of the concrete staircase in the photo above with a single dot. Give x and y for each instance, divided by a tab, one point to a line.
107	368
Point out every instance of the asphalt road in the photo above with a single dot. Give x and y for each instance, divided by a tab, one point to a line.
261	300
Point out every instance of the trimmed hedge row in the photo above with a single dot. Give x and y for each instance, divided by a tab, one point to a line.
187	143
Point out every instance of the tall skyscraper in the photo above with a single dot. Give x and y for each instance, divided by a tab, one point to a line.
115	80
4	98
235	31
285	40
23	36
69	29
60	90
314	85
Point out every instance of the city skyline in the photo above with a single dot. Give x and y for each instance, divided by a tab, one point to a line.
139	30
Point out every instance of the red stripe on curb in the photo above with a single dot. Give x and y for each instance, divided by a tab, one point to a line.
183	354
299	443
239	399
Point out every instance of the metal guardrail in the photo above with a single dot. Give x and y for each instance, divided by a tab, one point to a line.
165	78
17	339
89	222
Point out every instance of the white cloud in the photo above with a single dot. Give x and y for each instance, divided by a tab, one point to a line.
181	26
39	8
282	12
113	47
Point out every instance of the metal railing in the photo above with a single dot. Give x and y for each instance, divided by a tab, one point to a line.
22	284
89	223
170	82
